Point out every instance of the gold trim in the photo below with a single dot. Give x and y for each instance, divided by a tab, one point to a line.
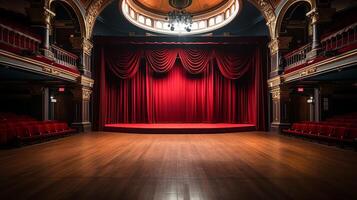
45	67
313	67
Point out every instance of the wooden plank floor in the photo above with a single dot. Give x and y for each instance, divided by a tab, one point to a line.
193	166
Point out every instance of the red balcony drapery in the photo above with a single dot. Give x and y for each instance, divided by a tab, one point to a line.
181	84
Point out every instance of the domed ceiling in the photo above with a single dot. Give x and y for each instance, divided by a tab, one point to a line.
180	17
196	7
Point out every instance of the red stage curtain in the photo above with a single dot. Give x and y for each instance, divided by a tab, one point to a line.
193	89
195	61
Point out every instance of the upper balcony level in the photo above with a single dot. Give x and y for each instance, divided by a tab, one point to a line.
332	45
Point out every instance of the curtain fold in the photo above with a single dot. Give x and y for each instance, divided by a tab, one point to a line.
234	63
195	61
161	60
124	63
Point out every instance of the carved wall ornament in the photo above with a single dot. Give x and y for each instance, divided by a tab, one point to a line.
86	93
308	71
93	11
276	94
268	11
87	46
274	46
50	70
275	82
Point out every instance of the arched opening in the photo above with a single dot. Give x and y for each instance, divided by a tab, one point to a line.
65	26
295	25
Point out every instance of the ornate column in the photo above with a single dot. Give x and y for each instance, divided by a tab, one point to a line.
317	104
46	48
45	103
280	104
278	46
82	97
84	49
316	45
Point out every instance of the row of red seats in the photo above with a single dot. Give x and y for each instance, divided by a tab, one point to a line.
323	131
19	130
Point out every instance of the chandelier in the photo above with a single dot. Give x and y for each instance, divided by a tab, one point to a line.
179	18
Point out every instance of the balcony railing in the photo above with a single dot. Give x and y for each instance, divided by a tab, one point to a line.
64	57
337	42
18	40
297	57
340	39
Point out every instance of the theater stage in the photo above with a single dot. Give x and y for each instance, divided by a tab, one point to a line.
180	128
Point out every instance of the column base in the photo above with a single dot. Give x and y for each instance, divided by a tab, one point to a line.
279	126
48	54
82	126
314	53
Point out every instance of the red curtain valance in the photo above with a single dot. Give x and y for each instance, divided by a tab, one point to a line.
123	63
232	63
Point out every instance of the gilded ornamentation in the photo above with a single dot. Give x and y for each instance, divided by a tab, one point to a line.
276	94
92	14
267	9
274	46
308	71
87	46
86	93
50	70
275	82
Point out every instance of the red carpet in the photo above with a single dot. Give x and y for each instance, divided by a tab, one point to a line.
179	128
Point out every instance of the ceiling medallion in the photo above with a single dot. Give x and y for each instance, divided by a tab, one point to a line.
177	20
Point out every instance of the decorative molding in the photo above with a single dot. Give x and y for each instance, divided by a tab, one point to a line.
85	81
274	46
275	94
347	59
280	93
82	93
87	46
50	70
269	13
308	71
92	13
86	93
275	82
40	66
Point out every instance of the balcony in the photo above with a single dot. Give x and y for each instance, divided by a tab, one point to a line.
64	58
340	41
333	44
298	56
18	41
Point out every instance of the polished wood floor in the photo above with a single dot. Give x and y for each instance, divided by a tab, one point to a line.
193	166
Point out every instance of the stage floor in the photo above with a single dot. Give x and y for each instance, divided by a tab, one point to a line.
180	128
229	166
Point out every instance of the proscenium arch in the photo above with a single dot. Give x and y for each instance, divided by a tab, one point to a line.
268	12
97	6
79	14
285	8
